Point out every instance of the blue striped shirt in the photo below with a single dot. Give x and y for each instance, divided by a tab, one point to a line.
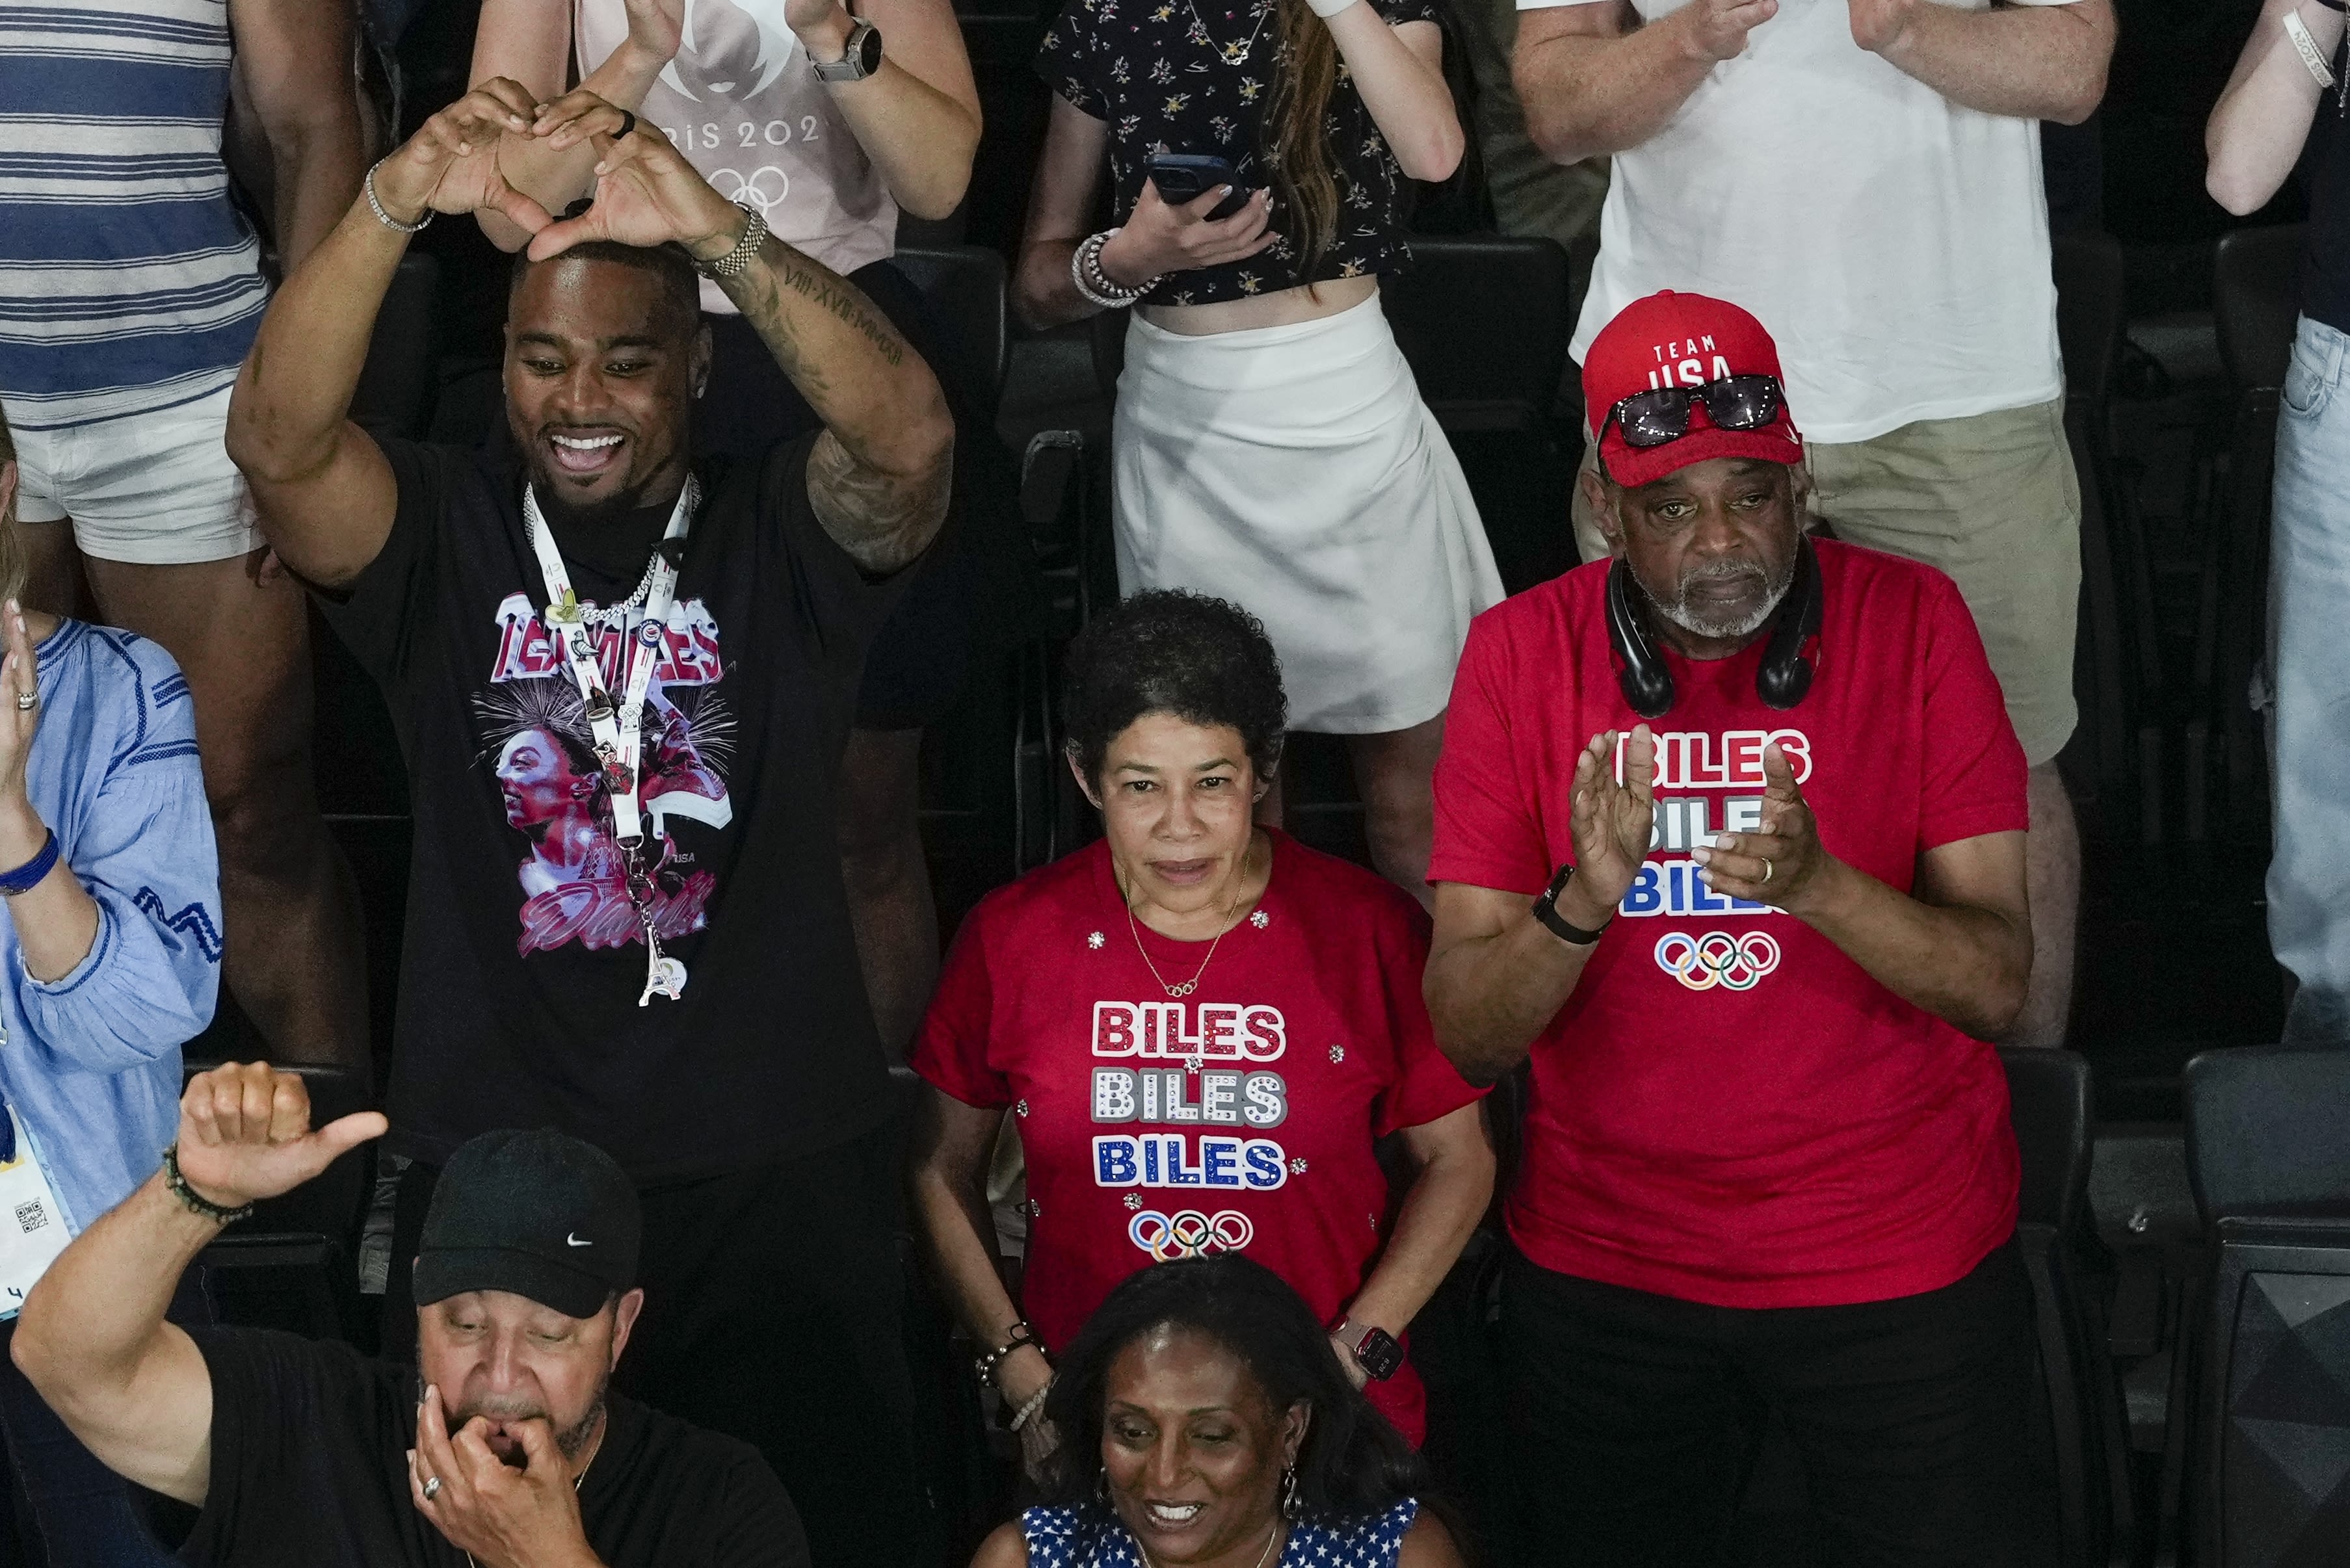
129	282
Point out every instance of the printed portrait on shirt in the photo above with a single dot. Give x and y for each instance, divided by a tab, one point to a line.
540	749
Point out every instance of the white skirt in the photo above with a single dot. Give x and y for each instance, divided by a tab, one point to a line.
1294	471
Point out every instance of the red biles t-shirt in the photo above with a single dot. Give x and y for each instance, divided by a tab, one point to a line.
1728	1109
1239	1117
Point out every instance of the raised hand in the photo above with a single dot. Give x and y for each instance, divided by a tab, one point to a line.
244	1134
1613	822
646	193
1158	239
500	1515
451	164
1780	861
19	676
656	27
1717	29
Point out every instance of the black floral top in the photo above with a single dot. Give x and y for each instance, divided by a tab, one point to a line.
1196	75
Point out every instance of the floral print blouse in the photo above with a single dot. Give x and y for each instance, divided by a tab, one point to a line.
1197	76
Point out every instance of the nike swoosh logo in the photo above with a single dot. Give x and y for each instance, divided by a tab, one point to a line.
575	1241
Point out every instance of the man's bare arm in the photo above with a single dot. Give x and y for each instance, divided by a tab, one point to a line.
2034	62
1497	976
92	1338
1594	79
879	475
295	57
325	495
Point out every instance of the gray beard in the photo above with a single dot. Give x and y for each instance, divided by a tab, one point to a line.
1679	611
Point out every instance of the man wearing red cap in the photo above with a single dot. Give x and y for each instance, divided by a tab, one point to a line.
1730	848
1865	176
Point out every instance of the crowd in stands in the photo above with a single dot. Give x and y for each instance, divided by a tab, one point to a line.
1704	879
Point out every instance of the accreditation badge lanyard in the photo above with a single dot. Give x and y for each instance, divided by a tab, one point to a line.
617	730
32	1228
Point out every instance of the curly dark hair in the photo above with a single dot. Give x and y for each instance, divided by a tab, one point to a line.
1205	660
1352	1464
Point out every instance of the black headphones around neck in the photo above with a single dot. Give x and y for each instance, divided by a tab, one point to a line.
1788	661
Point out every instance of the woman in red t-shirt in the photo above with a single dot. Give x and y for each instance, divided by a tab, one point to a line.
1201	1028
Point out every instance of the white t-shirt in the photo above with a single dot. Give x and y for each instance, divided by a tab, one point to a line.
742	101
1895	243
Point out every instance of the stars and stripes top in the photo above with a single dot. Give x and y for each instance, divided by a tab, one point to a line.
1090	1537
129	282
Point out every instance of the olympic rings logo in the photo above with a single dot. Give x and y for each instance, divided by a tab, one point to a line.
1717	958
1188	1233
754	187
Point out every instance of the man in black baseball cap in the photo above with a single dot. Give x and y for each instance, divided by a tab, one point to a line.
505	1443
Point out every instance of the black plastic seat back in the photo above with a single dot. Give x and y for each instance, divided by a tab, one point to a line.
1483	319
397	381
2268	1133
964	285
2089	312
2268	1154
2048	1096
2255	298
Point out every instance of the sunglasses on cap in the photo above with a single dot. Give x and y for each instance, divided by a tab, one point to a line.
1661	415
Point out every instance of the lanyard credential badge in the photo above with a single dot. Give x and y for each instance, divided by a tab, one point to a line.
32	1228
616	728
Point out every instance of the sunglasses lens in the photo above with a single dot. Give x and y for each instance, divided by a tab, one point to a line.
1654	418
1741	402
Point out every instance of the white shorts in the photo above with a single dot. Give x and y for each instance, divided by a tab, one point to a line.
152	489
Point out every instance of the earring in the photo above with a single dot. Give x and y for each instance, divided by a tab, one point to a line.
1289	1492
1101	1487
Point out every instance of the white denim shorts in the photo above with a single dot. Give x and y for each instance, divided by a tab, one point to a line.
154	489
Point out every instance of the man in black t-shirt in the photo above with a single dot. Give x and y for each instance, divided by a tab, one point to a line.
623	684
501	1447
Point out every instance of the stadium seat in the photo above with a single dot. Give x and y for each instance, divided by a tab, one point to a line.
2259	1474
2049	1101
2255	287
403	360
2117	663
290	1265
1483	318
964	285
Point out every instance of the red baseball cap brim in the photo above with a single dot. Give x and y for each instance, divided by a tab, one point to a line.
1633	466
1670	339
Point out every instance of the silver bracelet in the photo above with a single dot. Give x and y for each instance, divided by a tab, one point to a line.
1035	1403
1085	272
386	219
737	261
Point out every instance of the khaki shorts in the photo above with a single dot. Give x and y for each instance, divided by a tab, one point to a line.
1993	501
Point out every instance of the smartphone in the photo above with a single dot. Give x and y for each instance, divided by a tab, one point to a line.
1185	177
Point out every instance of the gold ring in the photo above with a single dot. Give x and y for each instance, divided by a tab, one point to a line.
1767	869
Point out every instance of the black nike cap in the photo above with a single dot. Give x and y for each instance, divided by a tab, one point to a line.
538	1214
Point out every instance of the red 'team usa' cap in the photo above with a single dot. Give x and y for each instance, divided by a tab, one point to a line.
1673	339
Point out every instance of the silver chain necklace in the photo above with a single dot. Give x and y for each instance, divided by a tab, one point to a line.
614	615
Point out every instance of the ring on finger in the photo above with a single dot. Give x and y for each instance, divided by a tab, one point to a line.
628	124
27	699
1767	869
431	1488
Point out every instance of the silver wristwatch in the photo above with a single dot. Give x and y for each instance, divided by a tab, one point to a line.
859	59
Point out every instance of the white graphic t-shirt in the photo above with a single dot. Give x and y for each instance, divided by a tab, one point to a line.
742	101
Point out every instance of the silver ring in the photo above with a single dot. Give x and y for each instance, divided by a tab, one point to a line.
431	1488
1767	869
26	699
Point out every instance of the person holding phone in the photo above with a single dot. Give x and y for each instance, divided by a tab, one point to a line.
1270	446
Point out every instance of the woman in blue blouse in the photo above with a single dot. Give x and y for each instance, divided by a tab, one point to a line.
1210	1425
110	961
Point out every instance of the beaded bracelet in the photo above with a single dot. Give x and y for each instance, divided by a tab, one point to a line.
1035	1403
1085	272
1021	1335
197	1203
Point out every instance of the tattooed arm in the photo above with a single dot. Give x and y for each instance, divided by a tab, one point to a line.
878	476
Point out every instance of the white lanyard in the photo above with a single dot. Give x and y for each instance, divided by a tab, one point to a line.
618	729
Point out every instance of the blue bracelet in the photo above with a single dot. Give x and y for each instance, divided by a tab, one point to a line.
27	877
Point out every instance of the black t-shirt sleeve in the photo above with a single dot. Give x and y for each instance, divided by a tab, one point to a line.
377	616
1395	11
756	1525
841	604
272	1393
